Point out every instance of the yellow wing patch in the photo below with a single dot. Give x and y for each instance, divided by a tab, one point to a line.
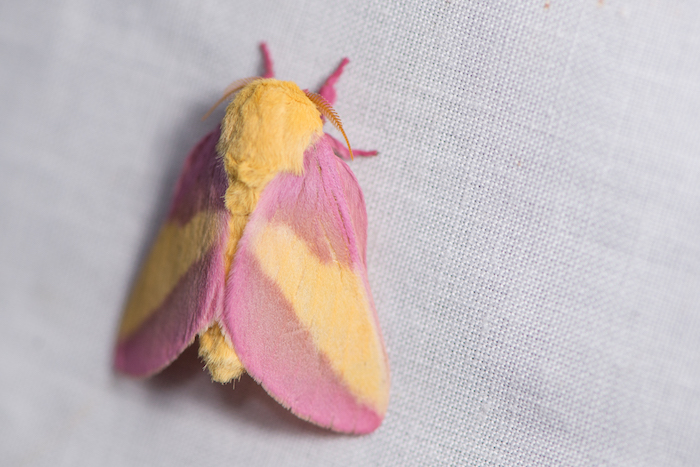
176	248
331	302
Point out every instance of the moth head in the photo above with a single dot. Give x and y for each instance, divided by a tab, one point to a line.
272	122
268	126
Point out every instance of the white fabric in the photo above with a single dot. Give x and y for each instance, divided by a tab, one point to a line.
534	226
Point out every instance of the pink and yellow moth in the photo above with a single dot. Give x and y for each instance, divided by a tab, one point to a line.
262	256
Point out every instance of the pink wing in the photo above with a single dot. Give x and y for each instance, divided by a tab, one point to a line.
180	287
298	305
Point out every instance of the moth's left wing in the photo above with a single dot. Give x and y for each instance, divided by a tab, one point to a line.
180	288
298	305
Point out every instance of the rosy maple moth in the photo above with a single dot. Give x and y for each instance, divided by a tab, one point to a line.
263	258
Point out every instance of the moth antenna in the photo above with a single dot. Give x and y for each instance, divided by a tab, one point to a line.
329	112
230	90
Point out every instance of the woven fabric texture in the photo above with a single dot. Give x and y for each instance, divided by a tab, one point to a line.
534	226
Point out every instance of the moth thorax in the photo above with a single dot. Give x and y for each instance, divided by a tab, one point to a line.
267	129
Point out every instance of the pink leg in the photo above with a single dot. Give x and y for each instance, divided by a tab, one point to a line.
340	149
269	72
328	89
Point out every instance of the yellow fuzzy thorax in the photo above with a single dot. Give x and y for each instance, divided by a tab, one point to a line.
266	130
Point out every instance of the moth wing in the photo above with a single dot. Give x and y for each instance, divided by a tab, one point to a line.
180	287
298	305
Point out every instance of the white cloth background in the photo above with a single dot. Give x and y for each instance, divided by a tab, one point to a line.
534	226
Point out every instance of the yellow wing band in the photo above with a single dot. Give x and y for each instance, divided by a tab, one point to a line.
176	248
331	302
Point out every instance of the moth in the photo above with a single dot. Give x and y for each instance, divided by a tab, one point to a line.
262	258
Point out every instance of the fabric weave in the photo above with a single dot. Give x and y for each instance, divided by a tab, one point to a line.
533	241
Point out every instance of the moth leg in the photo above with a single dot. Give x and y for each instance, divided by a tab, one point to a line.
327	91
267	61
340	150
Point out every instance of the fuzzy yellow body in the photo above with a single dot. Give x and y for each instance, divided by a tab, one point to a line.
265	131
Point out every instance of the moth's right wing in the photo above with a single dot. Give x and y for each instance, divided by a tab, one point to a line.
298	305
